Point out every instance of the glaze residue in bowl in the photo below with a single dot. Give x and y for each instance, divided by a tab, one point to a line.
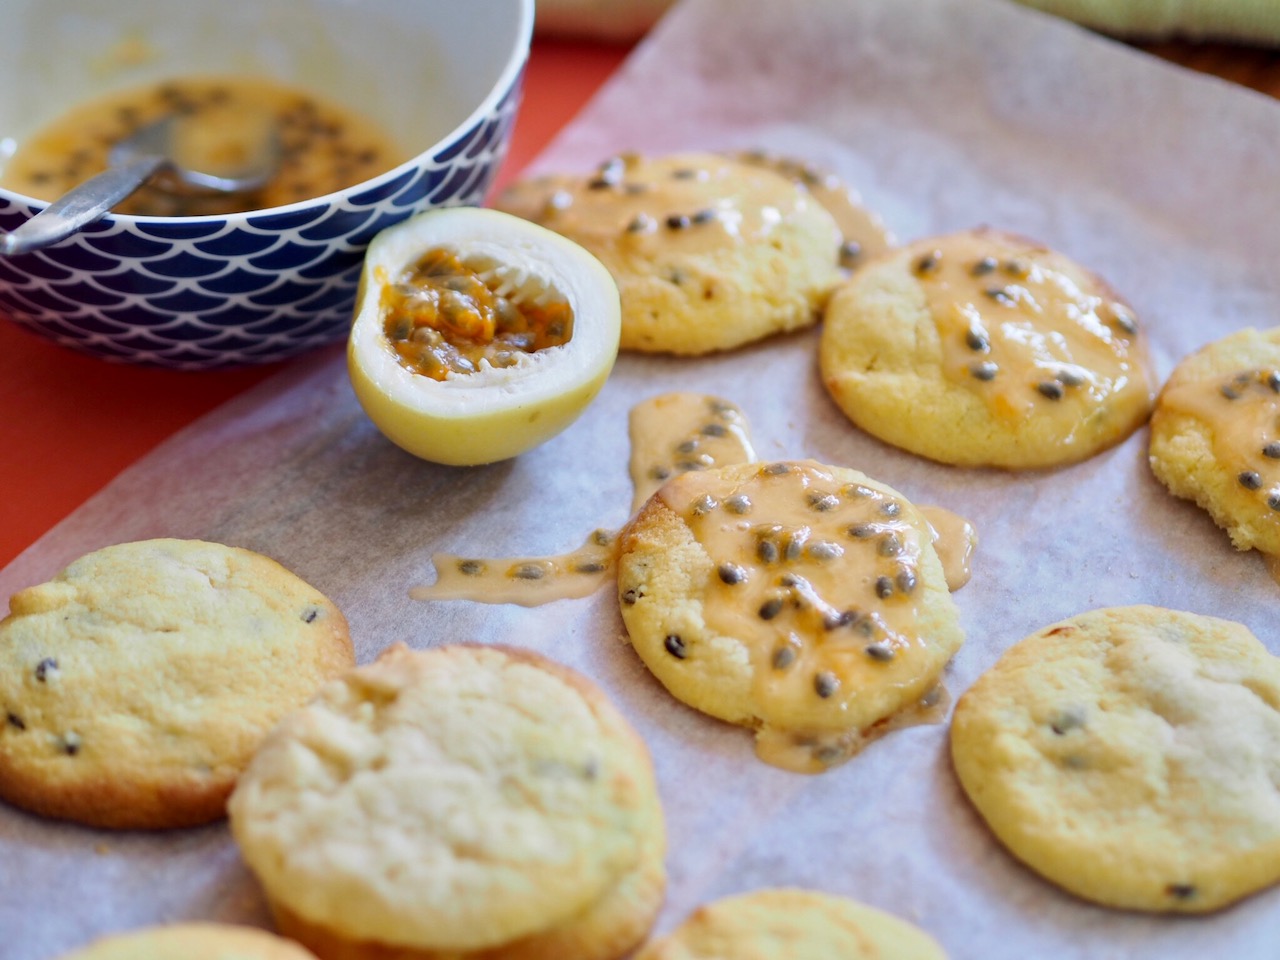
220	291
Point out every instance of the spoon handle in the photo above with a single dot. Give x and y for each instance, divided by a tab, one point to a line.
80	206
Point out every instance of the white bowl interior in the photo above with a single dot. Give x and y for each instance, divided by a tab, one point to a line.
419	68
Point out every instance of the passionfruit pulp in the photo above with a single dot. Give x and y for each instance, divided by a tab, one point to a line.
479	335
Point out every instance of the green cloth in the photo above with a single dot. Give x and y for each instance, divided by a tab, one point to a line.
1246	21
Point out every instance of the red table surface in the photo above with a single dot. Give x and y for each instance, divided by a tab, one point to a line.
69	423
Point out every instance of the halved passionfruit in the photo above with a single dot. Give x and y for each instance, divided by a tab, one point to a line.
479	335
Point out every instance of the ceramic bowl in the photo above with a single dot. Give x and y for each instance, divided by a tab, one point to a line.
443	77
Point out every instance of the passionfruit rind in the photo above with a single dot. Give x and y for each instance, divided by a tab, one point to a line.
496	412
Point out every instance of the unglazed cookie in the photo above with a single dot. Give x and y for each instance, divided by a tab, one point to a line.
985	349
708	253
792	925
1131	755
1215	436
192	941
804	601
462	802
138	682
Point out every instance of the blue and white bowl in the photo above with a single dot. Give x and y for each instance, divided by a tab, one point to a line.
197	293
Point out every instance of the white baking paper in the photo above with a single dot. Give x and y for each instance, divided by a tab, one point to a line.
946	114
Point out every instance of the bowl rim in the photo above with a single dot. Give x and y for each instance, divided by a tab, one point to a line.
517	59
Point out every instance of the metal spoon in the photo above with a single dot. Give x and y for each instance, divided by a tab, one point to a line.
145	154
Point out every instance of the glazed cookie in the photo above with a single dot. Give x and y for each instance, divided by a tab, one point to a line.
863	232
1215	436
708	253
138	682
463	802
1131	756
192	941
790	924
801	600
985	349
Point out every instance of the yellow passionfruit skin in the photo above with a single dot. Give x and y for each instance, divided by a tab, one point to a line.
495	412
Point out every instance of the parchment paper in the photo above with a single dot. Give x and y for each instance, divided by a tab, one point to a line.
947	114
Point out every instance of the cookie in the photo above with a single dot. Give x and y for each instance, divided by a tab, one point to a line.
804	601
466	801
609	927
1215	436
708	253
787	924
137	683
863	232
1131	755
985	349
192	941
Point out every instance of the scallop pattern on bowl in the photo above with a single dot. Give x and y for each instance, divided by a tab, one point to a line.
214	292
